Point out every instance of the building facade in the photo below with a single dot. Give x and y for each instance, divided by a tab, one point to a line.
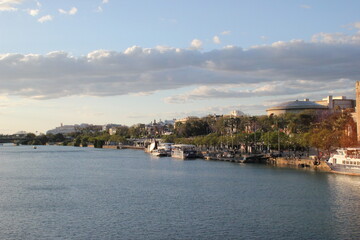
337	103
295	107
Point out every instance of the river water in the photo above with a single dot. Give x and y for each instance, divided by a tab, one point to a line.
82	193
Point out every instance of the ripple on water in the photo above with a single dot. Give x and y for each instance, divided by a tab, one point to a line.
77	193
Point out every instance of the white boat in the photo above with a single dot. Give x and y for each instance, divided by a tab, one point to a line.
151	147
345	160
167	147
183	151
159	152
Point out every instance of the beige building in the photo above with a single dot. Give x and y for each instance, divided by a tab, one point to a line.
184	120
295	107
329	103
337	103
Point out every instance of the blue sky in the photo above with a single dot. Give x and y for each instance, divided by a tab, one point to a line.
127	62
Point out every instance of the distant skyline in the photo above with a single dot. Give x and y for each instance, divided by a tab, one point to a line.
128	62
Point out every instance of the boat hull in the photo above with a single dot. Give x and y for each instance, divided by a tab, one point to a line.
159	153
183	155
345	169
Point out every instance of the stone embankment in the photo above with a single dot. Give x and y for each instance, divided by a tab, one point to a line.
300	163
132	147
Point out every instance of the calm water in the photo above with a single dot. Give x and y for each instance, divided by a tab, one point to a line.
80	193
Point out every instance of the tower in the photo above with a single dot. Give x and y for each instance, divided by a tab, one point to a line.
358	110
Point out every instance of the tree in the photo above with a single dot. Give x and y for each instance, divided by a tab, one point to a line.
117	139
337	130
123	131
192	127
169	138
40	140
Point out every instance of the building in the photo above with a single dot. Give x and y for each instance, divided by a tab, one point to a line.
337	103
296	107
184	120
107	127
236	113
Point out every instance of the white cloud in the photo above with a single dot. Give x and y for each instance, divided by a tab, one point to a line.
225	32
103	2
62	11
72	11
297	88
216	40
336	38
33	12
355	25
196	44
294	67
9	5
46	18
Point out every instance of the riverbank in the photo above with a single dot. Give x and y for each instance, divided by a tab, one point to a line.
306	163
300	163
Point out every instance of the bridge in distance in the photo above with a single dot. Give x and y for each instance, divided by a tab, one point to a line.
11	138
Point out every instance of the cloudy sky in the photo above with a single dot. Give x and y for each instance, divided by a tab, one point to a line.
131	61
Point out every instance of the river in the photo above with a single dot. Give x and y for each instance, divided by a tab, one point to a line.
57	192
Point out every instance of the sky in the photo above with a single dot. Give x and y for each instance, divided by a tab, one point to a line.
135	61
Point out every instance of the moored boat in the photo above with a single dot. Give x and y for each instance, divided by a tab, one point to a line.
183	151
166	147
345	160
159	152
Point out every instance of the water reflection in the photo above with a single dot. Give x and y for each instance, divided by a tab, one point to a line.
345	205
77	193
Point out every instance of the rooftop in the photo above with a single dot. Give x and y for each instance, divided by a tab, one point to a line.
297	105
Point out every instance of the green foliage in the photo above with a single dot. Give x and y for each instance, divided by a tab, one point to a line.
169	138
337	130
289	131
124	131
117	139
98	143
192	127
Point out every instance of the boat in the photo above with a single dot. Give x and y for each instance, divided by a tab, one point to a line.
166	147
159	152
183	151
345	160
151	147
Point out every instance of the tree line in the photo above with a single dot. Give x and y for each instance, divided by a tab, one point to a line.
289	131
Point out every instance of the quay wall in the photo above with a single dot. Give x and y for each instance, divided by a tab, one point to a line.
300	163
111	146
132	147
